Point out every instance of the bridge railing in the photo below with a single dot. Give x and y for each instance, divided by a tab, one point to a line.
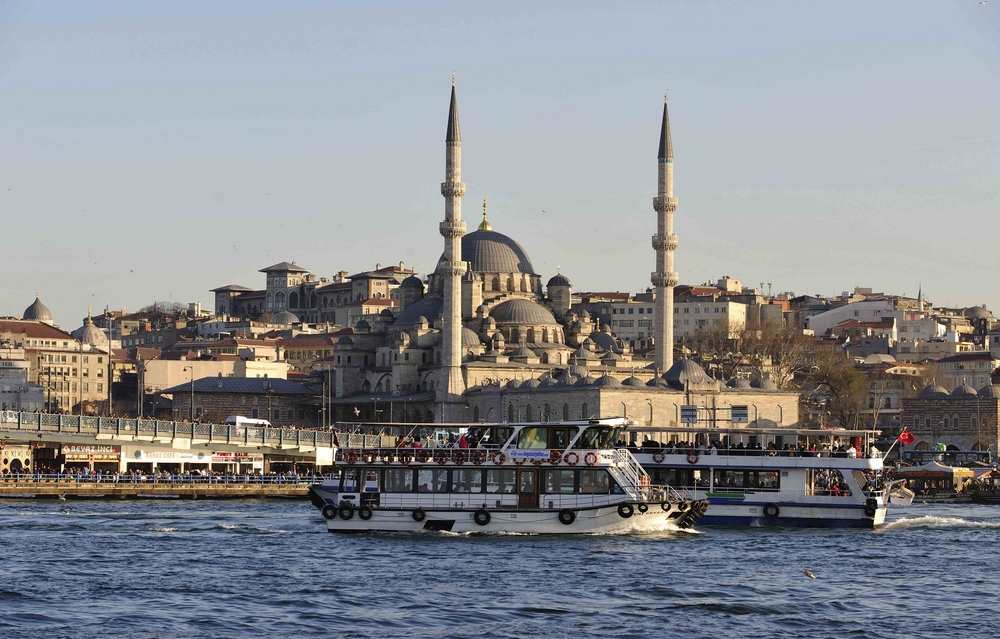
186	478
15	421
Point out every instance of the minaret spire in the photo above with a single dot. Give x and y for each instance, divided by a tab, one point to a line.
485	224
452	267
664	243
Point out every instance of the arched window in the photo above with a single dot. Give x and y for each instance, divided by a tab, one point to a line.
545	358
510	283
527	413
475	414
524	285
565	412
530	335
778	414
279	300
622	410
545	336
510	412
584	413
313	301
496	284
649	414
293	300
546	416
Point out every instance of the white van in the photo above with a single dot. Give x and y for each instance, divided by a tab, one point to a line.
237	420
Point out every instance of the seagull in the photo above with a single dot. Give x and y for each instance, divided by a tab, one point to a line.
983	2
62	497
64	511
808	573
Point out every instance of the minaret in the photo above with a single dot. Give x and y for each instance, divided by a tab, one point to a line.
452	267
920	299
665	243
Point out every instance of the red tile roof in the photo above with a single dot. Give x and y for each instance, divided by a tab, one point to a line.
34	330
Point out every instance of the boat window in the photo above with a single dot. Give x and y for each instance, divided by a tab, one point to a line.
432	480
594	481
500	480
560	481
533	438
527	482
350	481
398	480
679	477
466	481
559	438
597	437
371	481
826	482
740	480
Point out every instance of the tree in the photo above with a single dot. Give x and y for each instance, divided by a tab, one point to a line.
845	388
770	351
165	308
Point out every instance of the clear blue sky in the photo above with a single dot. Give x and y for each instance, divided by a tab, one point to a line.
163	149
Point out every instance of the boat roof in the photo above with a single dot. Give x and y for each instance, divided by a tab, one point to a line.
807	432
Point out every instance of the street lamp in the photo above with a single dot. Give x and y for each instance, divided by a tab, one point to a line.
267	392
191	368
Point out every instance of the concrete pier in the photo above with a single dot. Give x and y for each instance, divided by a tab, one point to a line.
70	488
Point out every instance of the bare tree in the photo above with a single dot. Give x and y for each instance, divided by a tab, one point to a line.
845	389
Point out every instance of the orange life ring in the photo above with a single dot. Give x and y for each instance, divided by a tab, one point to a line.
572	458
479	457
692	458
555	457
499	458
538	462
590	459
519	461
405	458
459	458
441	458
351	457
658	457
423	455
369	456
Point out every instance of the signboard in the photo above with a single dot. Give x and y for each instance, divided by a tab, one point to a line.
689	414
529	454
739	414
90	452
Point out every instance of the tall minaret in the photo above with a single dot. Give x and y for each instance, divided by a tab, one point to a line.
920	299
665	243
452	267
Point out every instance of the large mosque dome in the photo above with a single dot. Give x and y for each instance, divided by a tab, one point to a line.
39	312
487	251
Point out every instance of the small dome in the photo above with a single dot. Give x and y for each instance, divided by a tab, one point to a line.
546	382
363	325
422	320
963	391
531	383
579	371
37	311
427	307
569	380
523	351
583	353
469	338
607	381
559	280
513	384
286	318
345	341
880	358
633	381
685	372
611	357
520	311
471	276
90	334
739	384
932	391
412	282
978	312
658	382
586	381
584	314
605	341
990	392
385	313
763	383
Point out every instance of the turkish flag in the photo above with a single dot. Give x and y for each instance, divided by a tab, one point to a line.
906	437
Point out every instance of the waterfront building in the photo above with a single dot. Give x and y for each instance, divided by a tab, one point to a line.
279	401
963	419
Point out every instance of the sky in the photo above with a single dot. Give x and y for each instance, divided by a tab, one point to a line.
157	150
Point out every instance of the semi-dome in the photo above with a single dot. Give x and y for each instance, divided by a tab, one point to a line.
685	372
520	311
738	384
469	338
427	307
607	381
559	280
633	381
964	391
605	341
762	383
285	318
487	251
990	391
932	391
37	311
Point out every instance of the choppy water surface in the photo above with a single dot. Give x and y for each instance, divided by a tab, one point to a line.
269	569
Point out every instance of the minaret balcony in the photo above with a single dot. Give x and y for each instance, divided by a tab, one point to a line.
453	189
450	268
452	228
662	280
667	204
665	243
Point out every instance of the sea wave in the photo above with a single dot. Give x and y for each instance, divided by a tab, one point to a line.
928	521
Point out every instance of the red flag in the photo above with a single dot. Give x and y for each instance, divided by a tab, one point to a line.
906	437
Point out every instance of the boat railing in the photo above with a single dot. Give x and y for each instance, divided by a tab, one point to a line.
160	478
630	475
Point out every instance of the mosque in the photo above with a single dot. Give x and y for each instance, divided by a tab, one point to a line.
487	341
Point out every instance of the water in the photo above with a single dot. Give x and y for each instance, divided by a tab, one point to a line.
268	568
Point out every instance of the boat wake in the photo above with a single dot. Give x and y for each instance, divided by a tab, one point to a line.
249	530
929	521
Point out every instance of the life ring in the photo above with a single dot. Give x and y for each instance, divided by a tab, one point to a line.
405	458
658	457
692	458
643	508
771	511
572	458
499	458
482	516
365	513
538	462
346	512
329	511
590	459
351	457
419	514
566	516
369	456
625	510
388	456
869	511
665	506
423	455
519	461
441	458
479	457
459	458
555	456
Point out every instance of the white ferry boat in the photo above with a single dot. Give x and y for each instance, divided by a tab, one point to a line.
534	478
770	477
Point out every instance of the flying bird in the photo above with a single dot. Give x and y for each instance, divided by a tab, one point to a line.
808	573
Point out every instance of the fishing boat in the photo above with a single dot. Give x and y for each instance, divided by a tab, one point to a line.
770	476
552	478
